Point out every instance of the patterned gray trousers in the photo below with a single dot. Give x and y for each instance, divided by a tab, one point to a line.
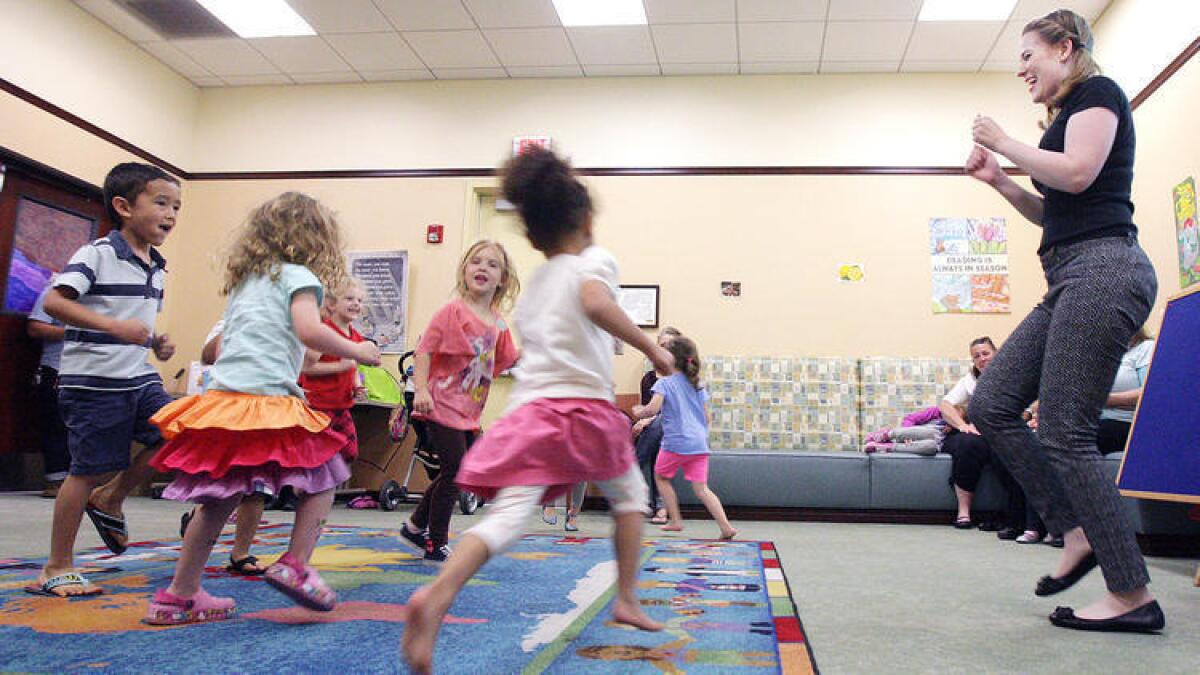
1065	354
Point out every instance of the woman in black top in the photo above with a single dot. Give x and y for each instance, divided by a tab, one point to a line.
1101	287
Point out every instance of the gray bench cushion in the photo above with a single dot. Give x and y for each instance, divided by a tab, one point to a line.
905	481
815	480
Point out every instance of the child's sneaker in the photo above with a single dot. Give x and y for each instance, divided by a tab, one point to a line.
418	540
437	554
877	446
168	609
301	583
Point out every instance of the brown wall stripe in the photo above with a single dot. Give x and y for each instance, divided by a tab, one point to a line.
49	107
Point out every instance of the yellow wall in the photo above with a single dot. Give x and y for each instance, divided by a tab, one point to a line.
677	121
59	52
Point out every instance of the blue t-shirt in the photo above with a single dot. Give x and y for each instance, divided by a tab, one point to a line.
51	349
685	428
260	352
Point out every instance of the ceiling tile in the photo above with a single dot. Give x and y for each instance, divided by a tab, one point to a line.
874	10
302	54
699	69
766	42
613	45
513	13
470	73
691	11
226	57
255	80
343	16
531	46
860	66
404	74
1033	9
866	40
952	40
804	67
781	10
603	70
940	66
175	59
326	78
1008	45
120	20
546	71
452	49
696	43
375	51
408	15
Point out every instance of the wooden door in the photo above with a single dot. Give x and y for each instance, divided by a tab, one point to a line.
45	216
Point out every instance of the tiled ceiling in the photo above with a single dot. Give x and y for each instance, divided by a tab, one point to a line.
381	40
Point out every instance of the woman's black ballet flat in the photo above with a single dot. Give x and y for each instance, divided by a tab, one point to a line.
1148	618
1049	585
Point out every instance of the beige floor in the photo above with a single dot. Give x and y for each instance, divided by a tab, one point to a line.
873	598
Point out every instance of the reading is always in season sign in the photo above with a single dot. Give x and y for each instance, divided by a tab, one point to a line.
969	259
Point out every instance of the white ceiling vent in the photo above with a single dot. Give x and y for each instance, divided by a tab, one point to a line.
175	19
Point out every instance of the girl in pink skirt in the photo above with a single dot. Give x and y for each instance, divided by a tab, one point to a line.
251	431
562	426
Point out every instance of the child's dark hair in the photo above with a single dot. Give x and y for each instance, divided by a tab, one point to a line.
551	200
127	181
687	358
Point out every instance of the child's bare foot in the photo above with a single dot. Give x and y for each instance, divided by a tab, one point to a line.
727	536
633	615
672	527
420	632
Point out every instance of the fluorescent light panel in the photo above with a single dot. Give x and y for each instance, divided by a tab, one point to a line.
258	18
966	10
601	12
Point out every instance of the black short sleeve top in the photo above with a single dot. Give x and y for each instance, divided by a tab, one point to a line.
1104	209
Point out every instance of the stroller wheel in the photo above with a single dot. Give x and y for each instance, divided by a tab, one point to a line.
391	495
468	502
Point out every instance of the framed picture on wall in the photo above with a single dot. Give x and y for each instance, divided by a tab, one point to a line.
640	302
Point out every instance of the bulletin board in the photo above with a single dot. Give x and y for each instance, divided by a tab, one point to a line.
1162	458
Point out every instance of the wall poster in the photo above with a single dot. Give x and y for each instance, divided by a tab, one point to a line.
384	275
970	265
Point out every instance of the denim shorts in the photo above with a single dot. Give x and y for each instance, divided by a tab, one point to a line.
102	425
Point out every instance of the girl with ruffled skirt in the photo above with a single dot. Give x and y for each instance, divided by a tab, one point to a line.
251	431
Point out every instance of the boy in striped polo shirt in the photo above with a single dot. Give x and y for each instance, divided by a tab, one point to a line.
108	296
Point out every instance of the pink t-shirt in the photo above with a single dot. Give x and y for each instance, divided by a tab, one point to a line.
466	354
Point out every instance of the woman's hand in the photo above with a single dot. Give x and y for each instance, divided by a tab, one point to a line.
983	166
423	402
640	426
985	132
970	429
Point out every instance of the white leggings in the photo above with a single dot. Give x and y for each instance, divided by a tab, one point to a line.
509	512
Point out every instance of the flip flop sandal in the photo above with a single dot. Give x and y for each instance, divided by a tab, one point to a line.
112	529
47	587
246	567
168	609
552	519
570	525
301	583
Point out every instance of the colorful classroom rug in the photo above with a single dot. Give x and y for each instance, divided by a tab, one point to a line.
542	607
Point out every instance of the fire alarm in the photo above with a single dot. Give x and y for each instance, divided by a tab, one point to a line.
433	234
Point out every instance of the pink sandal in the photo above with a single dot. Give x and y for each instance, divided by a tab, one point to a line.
168	609
301	583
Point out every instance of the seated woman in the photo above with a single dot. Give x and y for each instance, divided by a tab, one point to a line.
1117	417
970	452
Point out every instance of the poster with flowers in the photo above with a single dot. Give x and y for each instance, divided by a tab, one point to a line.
1184	196
970	265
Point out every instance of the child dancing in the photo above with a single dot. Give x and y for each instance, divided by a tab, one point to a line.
466	345
682	404
251	430
562	426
